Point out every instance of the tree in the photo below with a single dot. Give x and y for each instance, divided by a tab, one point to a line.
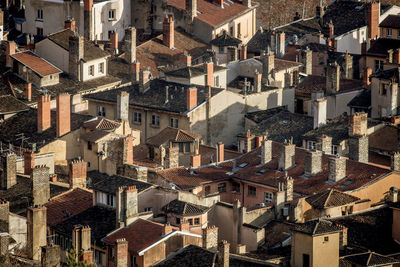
73	259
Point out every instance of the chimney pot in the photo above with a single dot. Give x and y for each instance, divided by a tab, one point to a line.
266	151
243	52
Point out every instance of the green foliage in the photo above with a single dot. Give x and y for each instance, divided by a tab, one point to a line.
73	259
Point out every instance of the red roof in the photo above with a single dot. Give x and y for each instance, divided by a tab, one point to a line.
139	234
36	63
67	205
211	13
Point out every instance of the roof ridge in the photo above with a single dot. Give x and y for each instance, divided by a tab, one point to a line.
328	197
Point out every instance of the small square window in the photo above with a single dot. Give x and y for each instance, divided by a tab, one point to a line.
101	111
221	50
326	238
207	190
190	221
137	117
252	191
89	146
91	70
196	221
222	187
155	120
268	197
235	187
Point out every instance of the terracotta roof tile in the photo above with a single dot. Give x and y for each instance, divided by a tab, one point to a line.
36	63
317	227
68	204
94	136
370	259
173	135
139	234
183	208
330	198
101	123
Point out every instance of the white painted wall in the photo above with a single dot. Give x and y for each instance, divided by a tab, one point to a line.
95	63
53	53
351	42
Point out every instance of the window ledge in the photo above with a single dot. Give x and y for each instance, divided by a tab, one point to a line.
137	123
154	126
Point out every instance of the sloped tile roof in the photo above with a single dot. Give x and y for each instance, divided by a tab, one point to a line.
192	71
36	63
170	134
330	198
183	208
391	21
225	40
318	227
381	46
10	104
362	100
391	136
101	123
370	259
139	234
68	204
260	41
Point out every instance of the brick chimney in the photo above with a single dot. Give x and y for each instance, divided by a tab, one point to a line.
286	156
76	53
195	161
184	226
123	106
337	168
308	61
319	109
348	66
114	41
29	162
373	8
324	144
223	254
10	50
257	81
36	231
168	32
40	185
63	114
332	78
28	91
88	19
9	173
135	72
259	140
366	76
191	9
358	124
69	24
191	98
167	229
121	252
130	45
210	74
313	163
127	147
243	52
77	173
81	240
186	58
126	203
43	113
220	152
266	151
210	238
172	157
395	161
220	3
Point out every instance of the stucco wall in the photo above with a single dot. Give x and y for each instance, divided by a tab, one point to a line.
351	42
53	53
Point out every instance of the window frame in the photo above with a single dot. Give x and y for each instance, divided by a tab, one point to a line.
111	14
101	68
251	191
235	187
221	187
39	31
91	70
39	14
268	197
155	120
389	32
311	144
137	117
101	111
196	221
174	122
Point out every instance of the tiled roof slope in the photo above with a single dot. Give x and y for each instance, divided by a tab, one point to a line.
212	14
26	122
110	184
68	204
154	97
90	51
330	198
192	71
381	46
184	208
139	234
173	135
225	40
391	136
370	259
36	63
391	21
101	123
208	154
390	74
318	227
10	104
260	41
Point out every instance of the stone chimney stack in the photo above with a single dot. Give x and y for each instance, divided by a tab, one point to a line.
258	81
43	113
210	237
191	9
395	161
191	98
135	72
36	231
4	243
266	151
167	229
81	240
358	139
77	173
373	8
40	185
28	91
172	157
220	152
337	168
268	65
114	41
63	114
259	140
366	76
9	173
51	256
195	161
130	45
168	32
144	80
324	144
127	209
10	50
307	54
210	74
313	163
286	156
88	19
289	188
358	124
123	106
4	210
76	53
127	150
69	24
348	66
319	109
121	252
332	78
223	254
